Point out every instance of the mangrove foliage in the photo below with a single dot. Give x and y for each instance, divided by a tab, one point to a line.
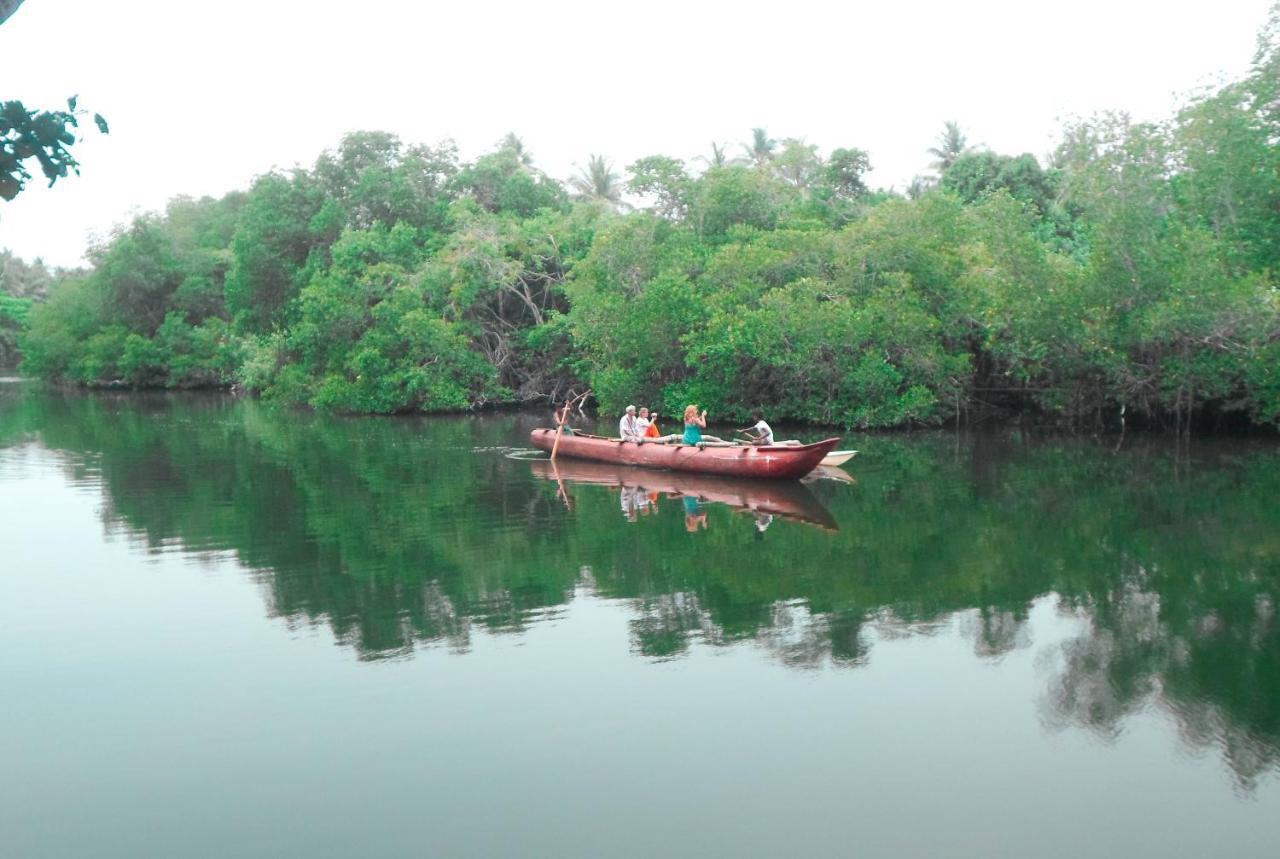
1132	273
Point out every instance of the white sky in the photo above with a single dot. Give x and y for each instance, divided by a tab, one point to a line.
202	97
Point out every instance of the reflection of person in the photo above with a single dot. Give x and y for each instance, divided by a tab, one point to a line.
641	500
760	432
628	500
763	521
694	515
629	427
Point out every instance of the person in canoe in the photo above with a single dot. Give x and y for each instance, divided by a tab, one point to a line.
564	415
694	423
650	423
652	433
629	428
759	432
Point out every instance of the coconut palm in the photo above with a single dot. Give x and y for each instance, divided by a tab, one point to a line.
719	156
760	151
597	181
951	145
513	144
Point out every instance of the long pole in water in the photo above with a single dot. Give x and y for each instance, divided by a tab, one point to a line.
559	429
563	418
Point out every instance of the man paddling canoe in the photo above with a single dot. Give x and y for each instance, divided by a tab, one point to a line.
760	432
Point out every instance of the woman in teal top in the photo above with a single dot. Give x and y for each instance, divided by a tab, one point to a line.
694	424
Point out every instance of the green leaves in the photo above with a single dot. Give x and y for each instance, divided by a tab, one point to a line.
40	135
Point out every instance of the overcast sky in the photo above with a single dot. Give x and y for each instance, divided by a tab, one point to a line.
202	97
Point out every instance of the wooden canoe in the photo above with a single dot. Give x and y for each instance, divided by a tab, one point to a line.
772	497
768	462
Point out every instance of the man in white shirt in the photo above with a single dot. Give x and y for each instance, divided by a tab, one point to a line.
629	427
760	432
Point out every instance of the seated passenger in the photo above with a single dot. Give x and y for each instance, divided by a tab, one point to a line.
650	423
629	428
694	424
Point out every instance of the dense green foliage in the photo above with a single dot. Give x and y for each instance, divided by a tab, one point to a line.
1133	275
21	284
13	320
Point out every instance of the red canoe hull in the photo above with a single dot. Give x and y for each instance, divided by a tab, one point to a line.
771	462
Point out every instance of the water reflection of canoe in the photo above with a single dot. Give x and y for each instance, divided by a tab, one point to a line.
772	497
829	472
776	462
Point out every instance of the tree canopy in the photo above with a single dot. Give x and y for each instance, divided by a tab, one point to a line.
1131	275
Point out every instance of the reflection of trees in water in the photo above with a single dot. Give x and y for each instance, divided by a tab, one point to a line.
801	639
798	637
1214	670
1103	678
795	636
667	622
394	534
997	631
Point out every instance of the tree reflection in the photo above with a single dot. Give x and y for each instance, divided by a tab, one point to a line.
402	533
1214	671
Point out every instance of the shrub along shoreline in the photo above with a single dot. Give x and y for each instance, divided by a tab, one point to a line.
1134	273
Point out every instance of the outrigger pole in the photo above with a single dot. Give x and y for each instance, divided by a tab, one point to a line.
563	417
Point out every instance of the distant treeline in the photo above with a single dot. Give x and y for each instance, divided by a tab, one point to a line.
1134	273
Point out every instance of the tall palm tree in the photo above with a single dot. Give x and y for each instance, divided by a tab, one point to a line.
951	145
719	156
761	149
513	144
597	181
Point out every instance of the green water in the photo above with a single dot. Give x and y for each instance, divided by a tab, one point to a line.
227	630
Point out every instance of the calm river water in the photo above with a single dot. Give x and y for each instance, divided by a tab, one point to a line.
227	630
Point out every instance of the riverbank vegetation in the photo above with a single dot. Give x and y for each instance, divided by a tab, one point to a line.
21	286
1132	274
